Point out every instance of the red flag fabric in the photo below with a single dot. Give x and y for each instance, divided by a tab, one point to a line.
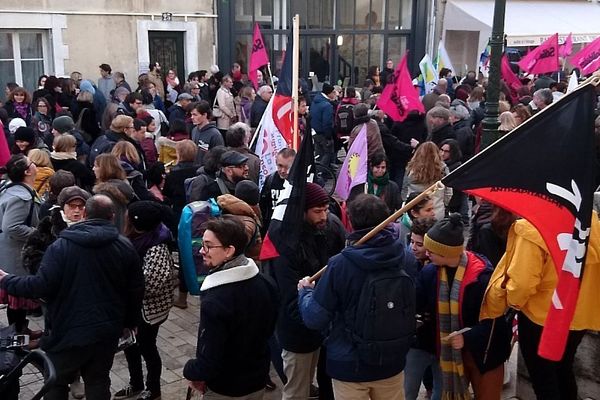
565	49
400	96
283	105
4	150
588	58
258	57
507	74
557	201
542	59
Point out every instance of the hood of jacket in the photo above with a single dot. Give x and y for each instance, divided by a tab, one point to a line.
235	206
92	233
380	252
320	98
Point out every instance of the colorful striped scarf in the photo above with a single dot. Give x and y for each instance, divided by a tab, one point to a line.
454	386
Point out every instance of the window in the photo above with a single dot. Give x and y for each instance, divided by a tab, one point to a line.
23	57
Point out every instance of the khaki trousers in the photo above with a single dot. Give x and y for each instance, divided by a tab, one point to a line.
391	388
299	368
210	395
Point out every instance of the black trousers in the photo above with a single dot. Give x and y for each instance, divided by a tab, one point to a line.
94	362
551	380
145	347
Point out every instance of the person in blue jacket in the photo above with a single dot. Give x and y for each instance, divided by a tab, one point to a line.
321	119
337	293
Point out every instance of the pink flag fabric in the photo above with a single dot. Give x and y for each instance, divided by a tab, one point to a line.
565	49
400	96
354	169
588	58
258	57
4	150
542	59
507	74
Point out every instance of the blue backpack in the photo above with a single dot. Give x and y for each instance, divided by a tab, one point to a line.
193	216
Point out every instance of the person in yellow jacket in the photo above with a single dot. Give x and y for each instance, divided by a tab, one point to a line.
525	280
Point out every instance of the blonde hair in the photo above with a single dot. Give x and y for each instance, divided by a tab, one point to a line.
426	166
125	151
186	150
64	143
120	123
503	106
507	122
40	158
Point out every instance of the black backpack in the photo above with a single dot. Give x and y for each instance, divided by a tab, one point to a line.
382	327
344	119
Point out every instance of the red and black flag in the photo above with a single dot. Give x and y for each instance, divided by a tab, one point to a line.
544	171
283	105
283	235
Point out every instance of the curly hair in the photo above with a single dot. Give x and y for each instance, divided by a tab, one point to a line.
426	166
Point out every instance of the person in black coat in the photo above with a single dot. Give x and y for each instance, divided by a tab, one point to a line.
237	317
438	122
260	105
397	151
86	320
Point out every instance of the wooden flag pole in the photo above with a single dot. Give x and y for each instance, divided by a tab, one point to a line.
295	78
431	189
270	76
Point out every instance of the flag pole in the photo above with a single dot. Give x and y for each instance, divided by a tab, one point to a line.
431	189
270	76
295	77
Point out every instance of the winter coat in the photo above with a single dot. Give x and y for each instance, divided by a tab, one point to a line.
238	308
106	86
314	250
256	111
18	219
84	177
9	106
413	127
154	77
89	120
442	133
104	144
42	125
174	187
37	243
206	138
245	111
488	341
176	112
92	280
525	278
337	292
268	198
465	137
441	198
253	162
42	180
227	106
321	116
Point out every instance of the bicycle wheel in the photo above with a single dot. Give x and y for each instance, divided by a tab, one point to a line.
325	178
35	375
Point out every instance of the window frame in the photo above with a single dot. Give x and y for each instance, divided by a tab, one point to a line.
17	59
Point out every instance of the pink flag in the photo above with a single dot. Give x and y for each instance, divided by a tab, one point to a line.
588	58
354	169
4	150
542	59
258	57
565	49
400	97
507	74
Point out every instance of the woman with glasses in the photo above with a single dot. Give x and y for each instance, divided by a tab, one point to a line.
238	309
42	120
18	218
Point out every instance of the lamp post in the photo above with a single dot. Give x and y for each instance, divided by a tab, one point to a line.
490	121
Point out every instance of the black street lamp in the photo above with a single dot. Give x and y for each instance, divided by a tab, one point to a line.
492	93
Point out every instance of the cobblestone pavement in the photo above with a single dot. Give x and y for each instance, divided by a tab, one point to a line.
177	343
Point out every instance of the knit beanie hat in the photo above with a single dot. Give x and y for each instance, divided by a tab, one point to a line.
87	86
25	134
145	215
63	124
247	191
315	196
15	124
446	237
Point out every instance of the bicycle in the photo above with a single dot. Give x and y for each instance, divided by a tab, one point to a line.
326	178
22	368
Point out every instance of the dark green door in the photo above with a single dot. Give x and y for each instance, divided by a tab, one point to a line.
167	48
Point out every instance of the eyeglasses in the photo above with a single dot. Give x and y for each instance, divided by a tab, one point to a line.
79	206
30	164
207	248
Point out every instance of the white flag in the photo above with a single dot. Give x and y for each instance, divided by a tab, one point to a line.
573	82
269	143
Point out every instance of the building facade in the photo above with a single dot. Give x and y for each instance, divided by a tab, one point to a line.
340	39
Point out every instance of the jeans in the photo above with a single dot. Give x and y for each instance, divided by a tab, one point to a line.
323	149
94	361
551	380
417	361
145	347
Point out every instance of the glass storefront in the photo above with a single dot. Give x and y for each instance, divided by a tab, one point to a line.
340	39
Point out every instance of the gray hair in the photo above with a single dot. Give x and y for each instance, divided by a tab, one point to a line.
262	89
459	111
544	95
439	112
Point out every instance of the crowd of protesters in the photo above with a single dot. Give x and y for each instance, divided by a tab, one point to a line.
99	175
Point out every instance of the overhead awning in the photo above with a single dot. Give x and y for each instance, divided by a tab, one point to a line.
527	23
